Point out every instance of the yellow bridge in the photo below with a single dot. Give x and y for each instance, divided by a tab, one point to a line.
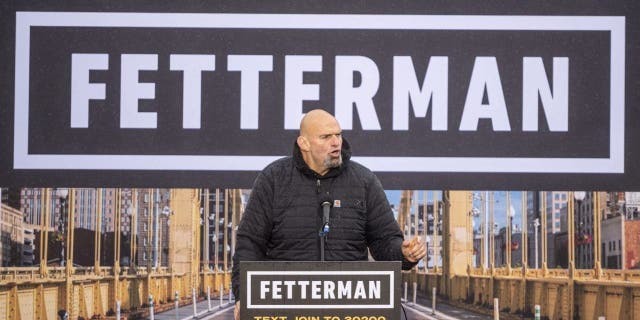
198	229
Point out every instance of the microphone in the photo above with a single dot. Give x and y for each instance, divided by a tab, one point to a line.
325	202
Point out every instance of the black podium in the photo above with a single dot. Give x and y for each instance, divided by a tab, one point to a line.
320	290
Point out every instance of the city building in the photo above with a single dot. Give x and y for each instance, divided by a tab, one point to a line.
584	217
632	230
85	208
29	247
31	204
152	228
612	231
477	247
126	195
86	205
432	232
10	197
557	246
215	215
12	237
533	229
501	246
631	244
632	204
621	231
556	202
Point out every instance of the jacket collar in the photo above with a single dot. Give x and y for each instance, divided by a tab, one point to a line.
304	168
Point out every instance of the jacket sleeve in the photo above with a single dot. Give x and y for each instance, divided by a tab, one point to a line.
254	231
384	236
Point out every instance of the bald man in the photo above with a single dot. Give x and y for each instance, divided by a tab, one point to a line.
283	214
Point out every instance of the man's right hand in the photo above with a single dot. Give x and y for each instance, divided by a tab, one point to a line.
414	249
236	311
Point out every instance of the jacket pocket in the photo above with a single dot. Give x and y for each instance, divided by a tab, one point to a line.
349	219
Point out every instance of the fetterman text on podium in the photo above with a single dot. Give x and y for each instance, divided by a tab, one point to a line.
350	290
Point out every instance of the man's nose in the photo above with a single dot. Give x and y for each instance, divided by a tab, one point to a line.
335	140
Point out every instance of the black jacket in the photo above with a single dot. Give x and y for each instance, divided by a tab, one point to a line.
284	215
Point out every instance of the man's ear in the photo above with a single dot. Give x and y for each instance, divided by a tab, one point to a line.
303	143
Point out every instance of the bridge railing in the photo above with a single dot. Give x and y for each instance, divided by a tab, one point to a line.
94	291
585	293
19	274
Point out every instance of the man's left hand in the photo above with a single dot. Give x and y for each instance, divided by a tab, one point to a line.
414	249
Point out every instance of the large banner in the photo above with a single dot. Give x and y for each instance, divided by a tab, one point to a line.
159	93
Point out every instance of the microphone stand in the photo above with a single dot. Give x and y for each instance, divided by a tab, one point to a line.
324	230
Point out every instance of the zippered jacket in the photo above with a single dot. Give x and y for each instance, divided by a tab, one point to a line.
283	216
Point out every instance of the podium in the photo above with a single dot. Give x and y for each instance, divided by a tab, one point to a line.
350	290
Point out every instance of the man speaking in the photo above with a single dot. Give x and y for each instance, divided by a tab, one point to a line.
284	214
